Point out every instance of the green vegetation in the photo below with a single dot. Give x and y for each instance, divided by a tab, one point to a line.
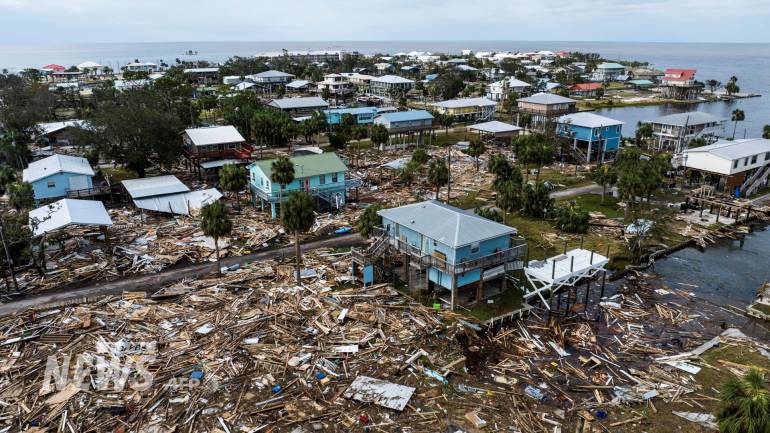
369	220
233	179
297	217
215	222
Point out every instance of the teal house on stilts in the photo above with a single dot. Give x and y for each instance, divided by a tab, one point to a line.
320	175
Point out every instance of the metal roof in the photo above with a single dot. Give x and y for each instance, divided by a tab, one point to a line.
296	84
49	127
214	135
271	74
65	212
56	164
610	65
89	65
406	116
392	79
154	186
182	203
303	102
588	120
307	165
446	224
495	127
353	111
200	70
736	149
466	102
512	82
691	118
547	99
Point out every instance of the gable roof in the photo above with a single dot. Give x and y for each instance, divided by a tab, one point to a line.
690	118
446	224
679	74
154	186
214	135
406	116
303	102
466	102
56	164
588	120
66	212
307	165
547	99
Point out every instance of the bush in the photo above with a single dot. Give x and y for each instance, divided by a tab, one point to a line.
572	218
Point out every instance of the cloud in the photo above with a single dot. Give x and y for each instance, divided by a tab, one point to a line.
185	20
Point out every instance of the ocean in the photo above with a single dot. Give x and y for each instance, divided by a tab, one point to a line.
748	62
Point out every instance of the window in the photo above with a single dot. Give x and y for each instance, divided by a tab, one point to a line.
322	179
735	164
51	184
754	159
745	161
475	247
767	156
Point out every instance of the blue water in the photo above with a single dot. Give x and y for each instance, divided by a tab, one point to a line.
749	62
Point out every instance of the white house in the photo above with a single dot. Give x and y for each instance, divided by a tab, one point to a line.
141	67
388	85
500	89
465	109
740	165
676	131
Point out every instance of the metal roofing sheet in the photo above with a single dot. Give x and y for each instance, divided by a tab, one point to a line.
154	186
303	102
182	203
65	212
214	135
588	120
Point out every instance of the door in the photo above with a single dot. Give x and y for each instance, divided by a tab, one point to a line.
78	182
307	184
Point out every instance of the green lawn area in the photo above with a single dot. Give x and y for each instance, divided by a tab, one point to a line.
118	174
593	203
565	178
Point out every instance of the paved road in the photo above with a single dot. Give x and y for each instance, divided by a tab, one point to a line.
156	281
578	190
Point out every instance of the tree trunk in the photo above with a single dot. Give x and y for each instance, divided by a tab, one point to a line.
299	253
219	264
735	127
437	188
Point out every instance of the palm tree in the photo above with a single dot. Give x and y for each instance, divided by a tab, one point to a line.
369	219
298	217
476	149
215	222
282	173
604	174
737	116
438	175
379	135
745	404
447	121
233	179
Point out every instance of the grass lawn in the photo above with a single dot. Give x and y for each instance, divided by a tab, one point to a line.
563	178
710	378
118	174
593	203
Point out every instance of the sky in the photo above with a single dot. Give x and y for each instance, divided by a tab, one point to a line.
78	21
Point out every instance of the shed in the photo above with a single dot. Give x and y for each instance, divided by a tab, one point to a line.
58	174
